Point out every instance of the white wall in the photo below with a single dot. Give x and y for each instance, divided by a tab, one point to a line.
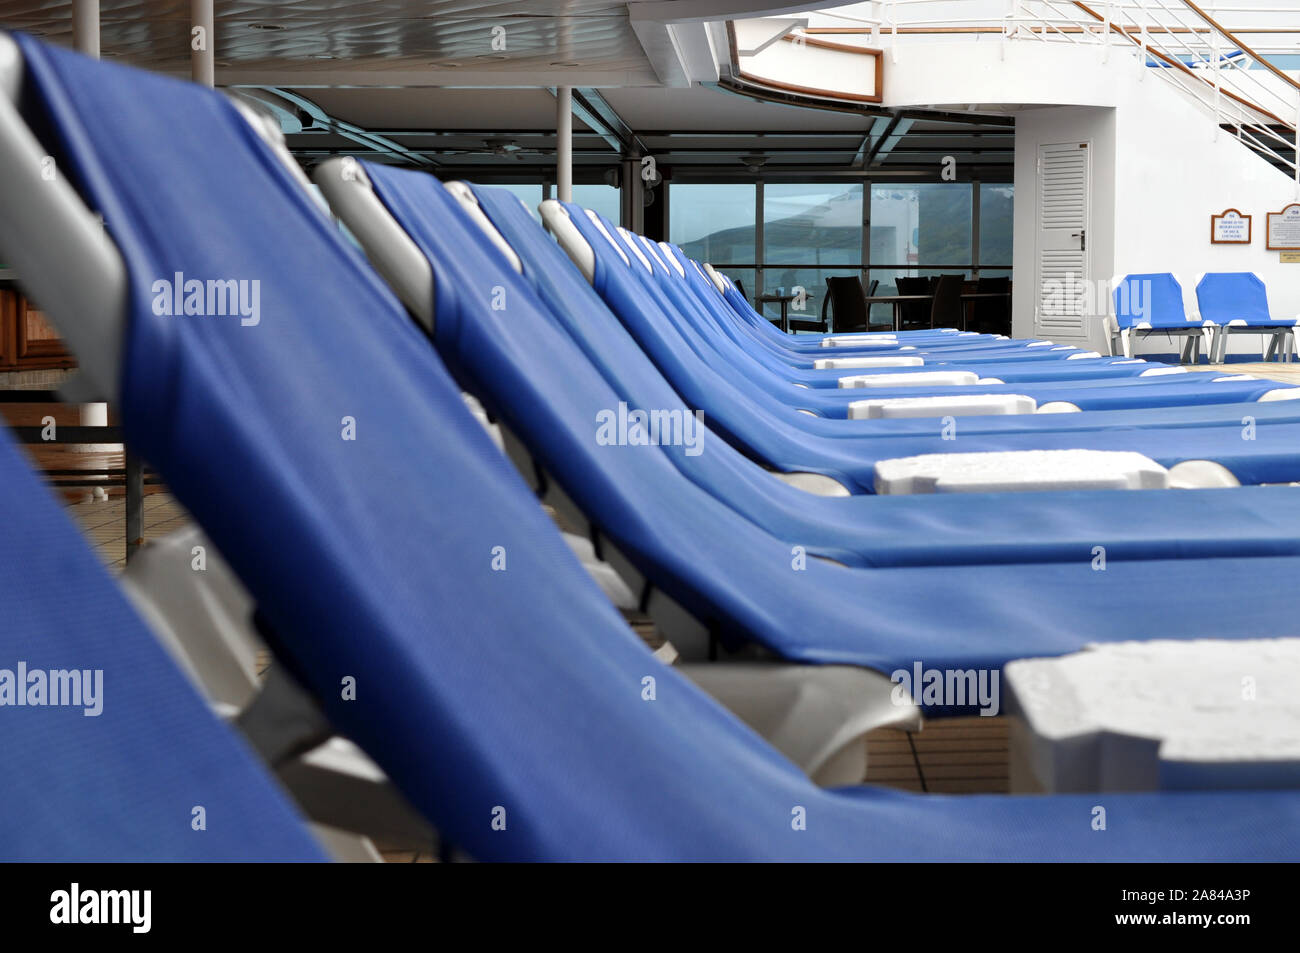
1172	175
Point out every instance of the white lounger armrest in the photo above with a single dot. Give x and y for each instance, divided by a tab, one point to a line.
919	379
975	405
848	363
874	340
391	251
1020	470
1077	725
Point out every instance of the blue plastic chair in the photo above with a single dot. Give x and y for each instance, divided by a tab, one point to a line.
1237	303
1150	304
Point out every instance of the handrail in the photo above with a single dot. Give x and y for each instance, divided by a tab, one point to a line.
1183	68
1178	40
1242	46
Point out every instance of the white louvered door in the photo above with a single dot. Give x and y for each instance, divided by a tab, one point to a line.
1063	180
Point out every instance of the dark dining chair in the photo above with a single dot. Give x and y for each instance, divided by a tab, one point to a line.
844	300
848	306
913	314
992	315
946	305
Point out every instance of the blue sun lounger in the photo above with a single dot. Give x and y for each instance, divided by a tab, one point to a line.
716	340
695	296
640	502
130	765
681	352
907	531
779	436
898	531
507	705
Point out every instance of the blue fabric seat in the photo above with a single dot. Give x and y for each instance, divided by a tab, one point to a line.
1152	301
1006	359
769	430
123	784
1152	304
891	531
511	695
671	529
719	343
693	360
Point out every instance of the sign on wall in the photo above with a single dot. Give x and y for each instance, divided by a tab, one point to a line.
1230	228
1284	229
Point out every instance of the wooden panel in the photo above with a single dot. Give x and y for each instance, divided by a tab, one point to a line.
8	328
27	339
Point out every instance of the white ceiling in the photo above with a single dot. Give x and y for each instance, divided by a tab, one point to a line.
425	75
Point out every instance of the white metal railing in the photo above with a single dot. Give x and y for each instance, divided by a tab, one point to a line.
1189	44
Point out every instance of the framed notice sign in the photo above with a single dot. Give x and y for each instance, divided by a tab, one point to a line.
1284	229
1230	228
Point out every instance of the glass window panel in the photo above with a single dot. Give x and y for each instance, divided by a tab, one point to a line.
603	199
921	224
813	224
996	215
713	223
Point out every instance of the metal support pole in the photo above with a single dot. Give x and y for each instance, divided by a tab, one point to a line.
202	42
85	27
85	39
564	142
134	504
633	195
